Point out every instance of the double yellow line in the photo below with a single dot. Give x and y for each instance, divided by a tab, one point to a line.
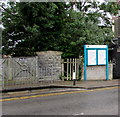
52	94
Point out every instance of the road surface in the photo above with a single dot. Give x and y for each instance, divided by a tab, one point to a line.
102	101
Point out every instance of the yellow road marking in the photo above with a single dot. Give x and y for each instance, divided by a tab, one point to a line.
52	94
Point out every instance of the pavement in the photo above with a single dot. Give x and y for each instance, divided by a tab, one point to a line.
88	84
69	84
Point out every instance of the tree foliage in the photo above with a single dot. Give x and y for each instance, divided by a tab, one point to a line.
32	27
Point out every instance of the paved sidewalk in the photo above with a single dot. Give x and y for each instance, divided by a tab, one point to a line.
69	84
88	84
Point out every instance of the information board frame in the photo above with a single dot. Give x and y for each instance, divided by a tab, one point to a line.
87	59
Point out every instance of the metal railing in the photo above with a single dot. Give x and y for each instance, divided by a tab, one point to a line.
24	82
22	73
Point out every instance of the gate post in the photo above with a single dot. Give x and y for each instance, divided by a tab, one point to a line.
10	68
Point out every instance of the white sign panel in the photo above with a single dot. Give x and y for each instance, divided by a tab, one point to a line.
91	57
96	46
101	57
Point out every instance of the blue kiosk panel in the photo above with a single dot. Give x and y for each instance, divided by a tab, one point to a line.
95	55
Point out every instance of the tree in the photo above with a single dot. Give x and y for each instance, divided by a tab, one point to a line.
82	28
31	27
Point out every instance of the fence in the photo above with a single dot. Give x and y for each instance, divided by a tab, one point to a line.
33	71
24	72
68	65
19	68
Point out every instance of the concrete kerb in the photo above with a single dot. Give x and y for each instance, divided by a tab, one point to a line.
54	86
36	88
103	86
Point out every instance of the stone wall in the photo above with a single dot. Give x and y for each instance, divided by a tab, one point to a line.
49	64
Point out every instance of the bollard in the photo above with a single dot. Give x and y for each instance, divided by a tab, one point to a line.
74	78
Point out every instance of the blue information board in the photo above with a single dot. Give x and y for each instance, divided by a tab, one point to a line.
95	55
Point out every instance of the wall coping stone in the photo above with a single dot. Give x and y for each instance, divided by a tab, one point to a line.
49	53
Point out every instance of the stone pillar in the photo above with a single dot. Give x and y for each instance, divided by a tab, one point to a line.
49	64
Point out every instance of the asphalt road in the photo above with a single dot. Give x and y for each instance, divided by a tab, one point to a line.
84	102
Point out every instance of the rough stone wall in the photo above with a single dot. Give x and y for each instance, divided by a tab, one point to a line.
49	64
